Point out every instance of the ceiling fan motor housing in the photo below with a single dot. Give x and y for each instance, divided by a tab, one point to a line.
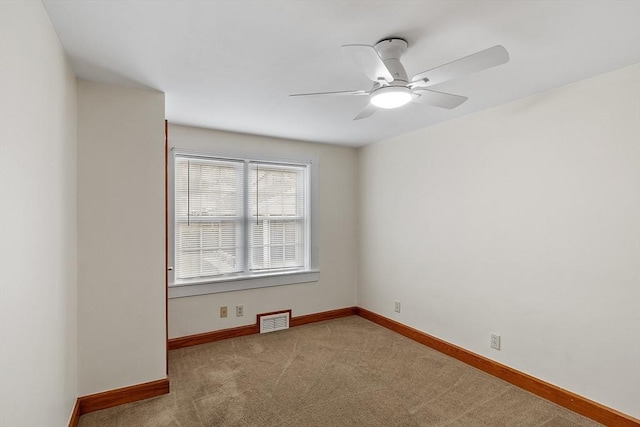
390	51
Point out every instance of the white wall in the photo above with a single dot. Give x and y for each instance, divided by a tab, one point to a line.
337	231
522	220
38	310
121	267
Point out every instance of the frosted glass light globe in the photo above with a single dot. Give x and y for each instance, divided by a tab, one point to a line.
391	97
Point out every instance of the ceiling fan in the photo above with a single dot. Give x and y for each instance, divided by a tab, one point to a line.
391	85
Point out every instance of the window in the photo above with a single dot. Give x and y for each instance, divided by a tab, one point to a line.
240	220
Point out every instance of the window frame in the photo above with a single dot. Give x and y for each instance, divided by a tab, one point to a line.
247	279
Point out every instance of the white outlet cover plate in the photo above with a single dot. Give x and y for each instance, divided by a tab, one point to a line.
495	341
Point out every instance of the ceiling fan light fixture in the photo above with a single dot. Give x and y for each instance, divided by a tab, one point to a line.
391	97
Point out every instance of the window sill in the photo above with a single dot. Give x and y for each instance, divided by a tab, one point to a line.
242	283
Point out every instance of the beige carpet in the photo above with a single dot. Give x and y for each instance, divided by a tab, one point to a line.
344	372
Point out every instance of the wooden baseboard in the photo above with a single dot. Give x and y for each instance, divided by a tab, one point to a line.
324	315
108	399
187	341
75	415
206	337
565	398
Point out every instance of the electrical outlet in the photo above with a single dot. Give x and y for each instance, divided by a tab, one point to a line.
223	311
239	310
495	341
397	307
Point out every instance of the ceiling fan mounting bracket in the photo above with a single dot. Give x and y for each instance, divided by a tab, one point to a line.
391	48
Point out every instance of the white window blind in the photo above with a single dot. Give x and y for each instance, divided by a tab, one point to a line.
237	218
278	220
209	217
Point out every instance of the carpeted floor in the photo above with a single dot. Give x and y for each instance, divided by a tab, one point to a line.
344	372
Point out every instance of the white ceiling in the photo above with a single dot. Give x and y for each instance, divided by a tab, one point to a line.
231	65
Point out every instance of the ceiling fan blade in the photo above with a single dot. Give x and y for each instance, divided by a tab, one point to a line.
439	99
342	92
366	112
369	60
469	64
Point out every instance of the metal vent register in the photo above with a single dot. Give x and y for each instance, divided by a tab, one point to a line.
274	322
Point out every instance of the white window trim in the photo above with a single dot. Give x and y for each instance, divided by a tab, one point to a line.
255	280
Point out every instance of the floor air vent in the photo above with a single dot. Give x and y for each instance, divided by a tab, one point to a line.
274	322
